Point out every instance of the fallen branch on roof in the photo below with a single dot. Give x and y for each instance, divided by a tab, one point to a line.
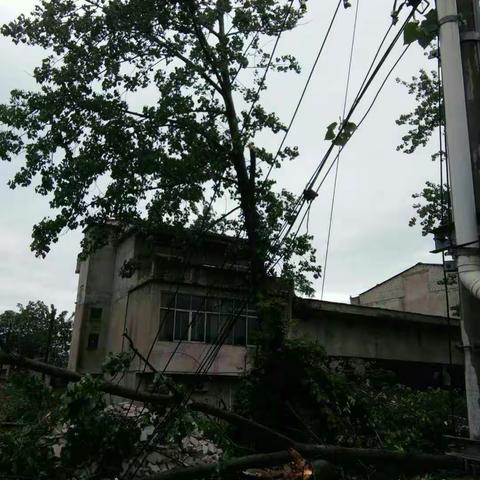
404	462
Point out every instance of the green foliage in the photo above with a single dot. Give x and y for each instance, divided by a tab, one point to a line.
410	420
422	32
26	453
61	434
145	98
432	207
92	432
428	112
341	407
300	374
25	399
31	332
115	363
342	136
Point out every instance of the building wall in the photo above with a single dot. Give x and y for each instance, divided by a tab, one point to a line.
132	304
373	333
418	289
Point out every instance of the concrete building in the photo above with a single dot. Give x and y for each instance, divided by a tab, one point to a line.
176	302
418	289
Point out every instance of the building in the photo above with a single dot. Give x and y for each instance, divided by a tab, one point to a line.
175	302
418	289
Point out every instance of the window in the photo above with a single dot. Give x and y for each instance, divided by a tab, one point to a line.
95	315
92	343
206	319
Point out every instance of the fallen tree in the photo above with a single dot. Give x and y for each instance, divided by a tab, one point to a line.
321	468
401	462
404	462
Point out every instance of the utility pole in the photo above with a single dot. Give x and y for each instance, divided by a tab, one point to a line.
459	54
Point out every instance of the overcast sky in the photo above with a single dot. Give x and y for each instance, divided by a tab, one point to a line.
371	240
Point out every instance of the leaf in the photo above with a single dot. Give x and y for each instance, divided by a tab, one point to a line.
411	33
345	134
330	135
430	24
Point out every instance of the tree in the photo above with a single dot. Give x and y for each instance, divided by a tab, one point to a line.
36	331
162	160
432	205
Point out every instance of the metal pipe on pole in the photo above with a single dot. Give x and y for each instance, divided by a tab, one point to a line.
463	200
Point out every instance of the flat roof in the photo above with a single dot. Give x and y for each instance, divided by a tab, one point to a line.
373	312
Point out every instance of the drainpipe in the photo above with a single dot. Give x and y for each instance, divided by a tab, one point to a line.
463	202
463	197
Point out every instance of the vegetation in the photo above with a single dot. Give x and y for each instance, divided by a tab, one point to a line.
145	98
80	436
36	331
432	204
343	408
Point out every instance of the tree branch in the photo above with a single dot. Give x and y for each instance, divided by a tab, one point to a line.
405	462
204	43
402	462
170	47
325	470
71	376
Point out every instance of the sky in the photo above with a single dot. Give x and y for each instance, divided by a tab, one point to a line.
370	240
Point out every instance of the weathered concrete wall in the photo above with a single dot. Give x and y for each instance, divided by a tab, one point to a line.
346	331
417	290
95	286
372	333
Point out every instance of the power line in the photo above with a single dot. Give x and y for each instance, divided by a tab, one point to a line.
358	126
301	200
302	95
352	47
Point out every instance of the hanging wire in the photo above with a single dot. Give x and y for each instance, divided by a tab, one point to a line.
304	91
347	86
298	205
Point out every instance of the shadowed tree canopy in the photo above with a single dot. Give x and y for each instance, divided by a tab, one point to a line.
165	162
36	331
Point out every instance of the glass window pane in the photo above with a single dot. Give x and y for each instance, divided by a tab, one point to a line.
227	305
227	329
95	315
168	300
240	331
198	327
183	301
213	304
92	342
213	321
166	325
182	319
253	330
198	303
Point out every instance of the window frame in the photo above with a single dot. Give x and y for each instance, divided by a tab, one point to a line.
203	314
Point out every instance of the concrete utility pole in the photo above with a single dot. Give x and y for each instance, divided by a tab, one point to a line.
459	53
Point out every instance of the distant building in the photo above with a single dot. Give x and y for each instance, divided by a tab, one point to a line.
418	289
176	301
